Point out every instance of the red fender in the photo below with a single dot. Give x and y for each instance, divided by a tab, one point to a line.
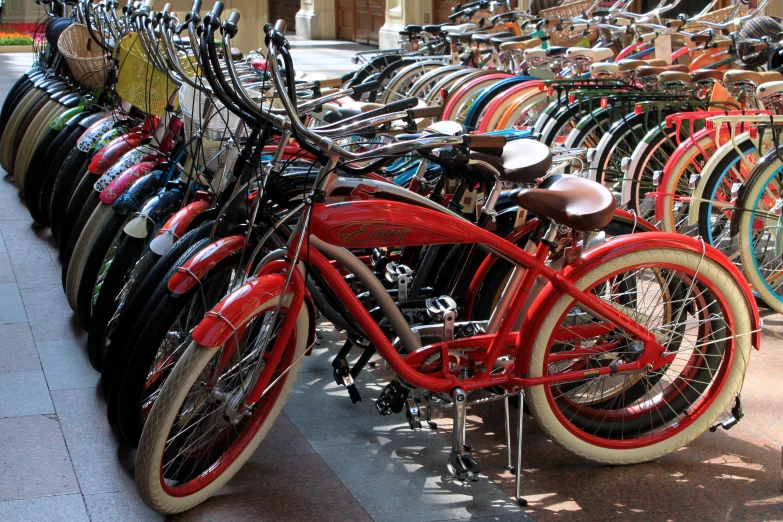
108	155
121	183
238	307
202	262
180	222
615	248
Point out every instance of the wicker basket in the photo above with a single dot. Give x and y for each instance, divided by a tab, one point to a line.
139	82
88	61
565	37
718	16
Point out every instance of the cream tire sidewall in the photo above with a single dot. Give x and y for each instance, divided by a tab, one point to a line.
550	422
164	411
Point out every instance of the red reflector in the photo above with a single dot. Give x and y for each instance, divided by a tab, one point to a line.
709	125
541	87
604	103
753	133
571	98
549	92
443	94
638	109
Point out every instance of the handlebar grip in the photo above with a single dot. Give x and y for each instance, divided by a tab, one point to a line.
196	6
234	17
362	88
720	44
675	24
646	37
758	47
401	105
579	27
330	82
166	8
280	26
484	141
217	10
701	38
149	4
553	21
623	22
433	111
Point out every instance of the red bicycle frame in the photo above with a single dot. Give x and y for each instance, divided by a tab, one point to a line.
367	224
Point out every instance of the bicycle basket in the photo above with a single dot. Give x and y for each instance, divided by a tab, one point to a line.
219	125
718	16
89	62
565	37
139	82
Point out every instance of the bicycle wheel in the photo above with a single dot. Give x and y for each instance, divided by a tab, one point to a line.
187	452
715	205
699	313
651	155
165	328
672	203
401	84
760	231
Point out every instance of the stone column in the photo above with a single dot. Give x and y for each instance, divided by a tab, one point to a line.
316	20
400	13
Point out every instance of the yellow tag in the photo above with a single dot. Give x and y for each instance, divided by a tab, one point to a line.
469	201
592	373
521	217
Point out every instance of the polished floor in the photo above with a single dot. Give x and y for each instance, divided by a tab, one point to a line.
327	459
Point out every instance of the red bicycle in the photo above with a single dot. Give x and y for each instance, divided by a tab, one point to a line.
623	350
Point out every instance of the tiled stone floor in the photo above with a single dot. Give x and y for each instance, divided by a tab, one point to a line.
326	459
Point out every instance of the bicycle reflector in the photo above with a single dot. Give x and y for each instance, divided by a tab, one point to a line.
571	98
753	133
709	125
638	109
541	87
604	103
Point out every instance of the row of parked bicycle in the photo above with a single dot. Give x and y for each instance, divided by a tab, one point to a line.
491	235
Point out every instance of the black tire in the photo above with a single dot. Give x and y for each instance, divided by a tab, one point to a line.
85	211
17	92
81	193
65	183
125	331
60	150
33	179
129	253
25	123
160	323
132	259
107	239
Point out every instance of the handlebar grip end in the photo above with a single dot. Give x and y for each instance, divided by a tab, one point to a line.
362	88
149	4
217	9
401	105
196	7
166	8
234	17
280	26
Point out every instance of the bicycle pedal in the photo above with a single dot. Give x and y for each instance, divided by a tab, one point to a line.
412	413
463	467
402	276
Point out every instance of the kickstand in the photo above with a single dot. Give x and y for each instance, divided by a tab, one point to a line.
521	501
511	467
461	466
